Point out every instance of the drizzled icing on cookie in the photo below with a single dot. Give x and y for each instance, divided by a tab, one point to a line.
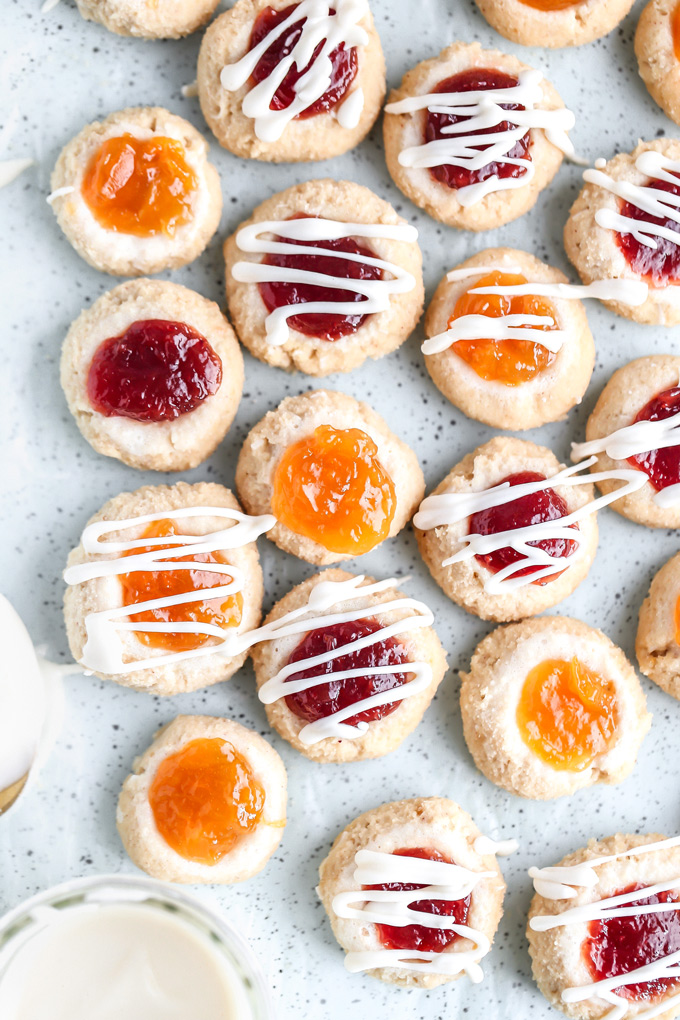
483	109
376	293
321	28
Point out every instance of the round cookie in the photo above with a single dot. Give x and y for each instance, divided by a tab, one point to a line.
400	299
515	733
655	49
627	393
143	809
418	645
432	824
593	244
540	23
162	371
95	591
657	646
148	19
300	420
542	395
458	206
467	582
242	117
121	252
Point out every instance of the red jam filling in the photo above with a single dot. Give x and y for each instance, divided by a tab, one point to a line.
474	80
662	467
154	371
660	265
344	63
618	945
324	326
535	508
327	699
417	936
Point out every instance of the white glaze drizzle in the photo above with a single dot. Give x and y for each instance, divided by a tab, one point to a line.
441	881
320	27
483	109
48	5
564	882
485	846
377	293
190	90
59	193
10	169
448	508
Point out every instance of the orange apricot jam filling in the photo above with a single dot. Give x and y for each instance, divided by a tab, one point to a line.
551	5
675	30
144	585
204	799
567	714
139	186
676	617
511	362
332	488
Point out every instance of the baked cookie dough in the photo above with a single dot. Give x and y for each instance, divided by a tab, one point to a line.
332	467
628	393
503	380
149	19
657	644
258	118
166	364
139	226
100	591
471	582
185	815
321	344
545	23
573	945
598	248
476	198
551	706
657	41
397	638
377	842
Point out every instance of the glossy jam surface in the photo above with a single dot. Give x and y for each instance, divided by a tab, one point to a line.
417	936
331	487
155	371
675	29
139	187
551	5
535	508
567	714
511	362
676	618
344	63
143	585
204	798
662	467
326	326
475	80
327	699
660	265
621	944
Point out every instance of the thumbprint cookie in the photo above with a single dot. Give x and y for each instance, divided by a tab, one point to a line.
206	803
334	476
551	706
135	193
508	340
149	20
291	82
554	23
427	844
376	647
604	929
334	248
432	146
625	225
657	48
634	425
657	645
153	375
164	587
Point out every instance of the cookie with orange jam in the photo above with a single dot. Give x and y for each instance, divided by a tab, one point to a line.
507	382
657	48
336	478
554	23
206	803
136	194
657	644
148	20
551	706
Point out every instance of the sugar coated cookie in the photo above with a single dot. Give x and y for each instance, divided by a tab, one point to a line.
657	645
554	23
149	19
657	48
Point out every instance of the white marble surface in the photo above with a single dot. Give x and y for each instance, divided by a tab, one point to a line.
58	73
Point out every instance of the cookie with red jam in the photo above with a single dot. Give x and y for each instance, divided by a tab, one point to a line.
554	23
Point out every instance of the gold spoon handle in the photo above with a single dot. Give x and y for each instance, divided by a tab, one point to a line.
10	793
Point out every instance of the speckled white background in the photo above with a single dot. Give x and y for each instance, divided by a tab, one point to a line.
58	73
